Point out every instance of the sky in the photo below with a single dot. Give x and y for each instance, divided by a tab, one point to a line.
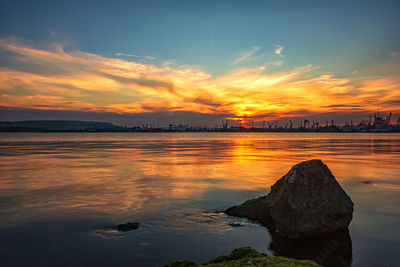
199	62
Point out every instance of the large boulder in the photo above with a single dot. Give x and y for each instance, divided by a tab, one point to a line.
305	202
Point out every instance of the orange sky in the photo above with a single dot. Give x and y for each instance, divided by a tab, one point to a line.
51	78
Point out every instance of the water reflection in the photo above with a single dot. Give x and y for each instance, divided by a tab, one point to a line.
167	183
121	176
330	250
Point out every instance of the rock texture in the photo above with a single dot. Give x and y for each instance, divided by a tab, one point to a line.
245	257
306	202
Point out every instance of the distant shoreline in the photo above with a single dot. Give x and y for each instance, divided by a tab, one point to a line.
58	126
205	131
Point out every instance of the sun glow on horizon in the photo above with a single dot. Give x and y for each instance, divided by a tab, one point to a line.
56	79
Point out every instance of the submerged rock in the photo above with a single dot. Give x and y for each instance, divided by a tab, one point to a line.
246	257
233	224
305	202
127	226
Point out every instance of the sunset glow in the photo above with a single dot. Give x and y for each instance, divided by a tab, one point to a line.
77	80
261	83
199	133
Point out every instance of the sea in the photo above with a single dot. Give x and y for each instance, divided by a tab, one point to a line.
61	195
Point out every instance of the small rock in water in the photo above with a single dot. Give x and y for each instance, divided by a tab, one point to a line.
305	202
127	226
233	224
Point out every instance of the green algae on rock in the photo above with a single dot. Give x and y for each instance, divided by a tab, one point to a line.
246	257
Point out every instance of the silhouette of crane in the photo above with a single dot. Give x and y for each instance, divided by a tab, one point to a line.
388	118
306	123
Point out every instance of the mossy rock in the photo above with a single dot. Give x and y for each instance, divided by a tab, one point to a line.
246	257
255	209
183	263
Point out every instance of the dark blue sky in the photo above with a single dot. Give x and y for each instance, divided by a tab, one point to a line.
213	33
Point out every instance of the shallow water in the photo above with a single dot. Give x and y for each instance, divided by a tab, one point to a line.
61	193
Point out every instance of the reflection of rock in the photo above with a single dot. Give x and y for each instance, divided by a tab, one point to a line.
306	202
127	226
108	234
334	249
245	256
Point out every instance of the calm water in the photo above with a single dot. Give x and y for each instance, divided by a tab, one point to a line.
60	194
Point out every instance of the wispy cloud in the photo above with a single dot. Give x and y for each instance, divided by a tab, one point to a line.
278	50
246	55
82	81
137	56
395	54
277	63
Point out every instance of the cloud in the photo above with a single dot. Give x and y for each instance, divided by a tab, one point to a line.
277	63
278	50
395	54
246	55
137	56
52	78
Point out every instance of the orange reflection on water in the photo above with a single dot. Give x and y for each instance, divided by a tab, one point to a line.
49	178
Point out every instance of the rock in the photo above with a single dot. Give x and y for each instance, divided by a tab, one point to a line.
246	257
127	226
305	202
182	263
233	224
